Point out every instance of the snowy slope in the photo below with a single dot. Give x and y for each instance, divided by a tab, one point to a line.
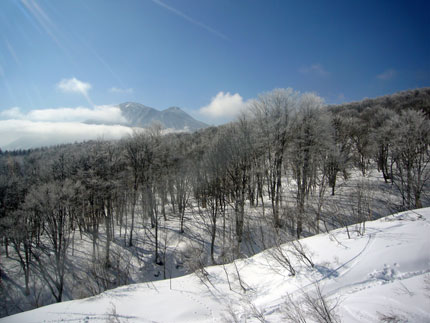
384	272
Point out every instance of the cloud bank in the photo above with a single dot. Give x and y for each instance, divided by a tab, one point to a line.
99	114
44	127
224	107
24	134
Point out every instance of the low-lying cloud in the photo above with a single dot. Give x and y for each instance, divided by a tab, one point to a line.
224	107
44	127
99	114
24	134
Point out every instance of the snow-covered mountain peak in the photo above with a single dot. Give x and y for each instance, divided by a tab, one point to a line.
139	115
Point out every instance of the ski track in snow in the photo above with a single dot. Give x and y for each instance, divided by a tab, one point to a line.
190	295
365	284
352	262
350	265
386	275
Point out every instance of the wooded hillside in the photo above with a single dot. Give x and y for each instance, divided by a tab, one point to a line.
255	183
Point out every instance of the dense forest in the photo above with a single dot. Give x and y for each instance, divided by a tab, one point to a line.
267	178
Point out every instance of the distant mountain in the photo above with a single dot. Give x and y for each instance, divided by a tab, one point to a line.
139	115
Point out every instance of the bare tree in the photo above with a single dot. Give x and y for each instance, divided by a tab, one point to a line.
382	134
272	113
236	140
21	234
410	152
310	136
362	143
51	202
312	306
339	152
134	156
361	206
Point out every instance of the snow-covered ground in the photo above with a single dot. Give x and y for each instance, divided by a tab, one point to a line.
385	271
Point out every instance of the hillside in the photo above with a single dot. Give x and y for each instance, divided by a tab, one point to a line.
384	272
417	99
80	219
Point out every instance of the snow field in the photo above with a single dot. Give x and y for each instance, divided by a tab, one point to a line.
384	272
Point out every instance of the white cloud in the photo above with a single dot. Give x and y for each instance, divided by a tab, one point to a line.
387	74
12	113
224	106
314	69
23	134
73	85
102	113
121	91
44	127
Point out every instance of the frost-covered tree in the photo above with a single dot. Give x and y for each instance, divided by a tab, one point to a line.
382	133
309	141
411	156
236	140
338	151
272	112
51	202
362	144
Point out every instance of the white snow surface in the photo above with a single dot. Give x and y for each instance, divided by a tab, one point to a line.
385	271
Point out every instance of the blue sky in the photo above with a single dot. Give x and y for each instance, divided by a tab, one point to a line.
190	53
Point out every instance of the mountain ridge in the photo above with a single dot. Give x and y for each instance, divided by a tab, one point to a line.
140	115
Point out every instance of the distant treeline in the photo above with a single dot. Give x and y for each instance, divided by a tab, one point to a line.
417	99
